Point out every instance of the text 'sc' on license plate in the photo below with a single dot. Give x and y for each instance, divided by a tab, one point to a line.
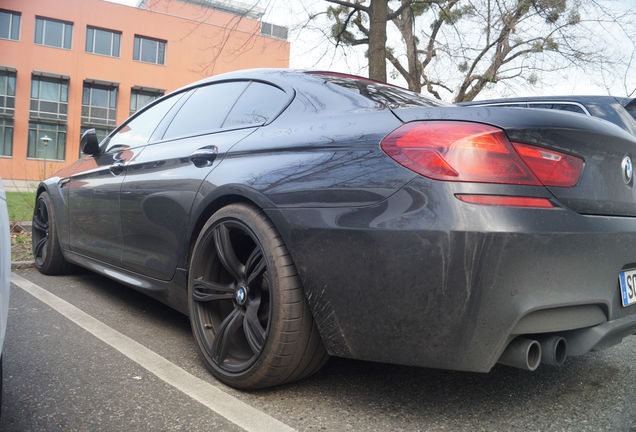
627	281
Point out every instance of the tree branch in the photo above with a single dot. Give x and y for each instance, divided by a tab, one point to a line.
355	6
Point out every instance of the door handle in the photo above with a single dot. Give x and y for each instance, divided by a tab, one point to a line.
204	157
117	168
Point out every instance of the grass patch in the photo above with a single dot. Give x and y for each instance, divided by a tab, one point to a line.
20	205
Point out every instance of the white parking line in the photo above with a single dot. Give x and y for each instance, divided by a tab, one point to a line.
236	411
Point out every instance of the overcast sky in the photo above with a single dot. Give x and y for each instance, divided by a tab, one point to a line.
308	51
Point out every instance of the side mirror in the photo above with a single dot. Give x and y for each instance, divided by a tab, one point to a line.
89	143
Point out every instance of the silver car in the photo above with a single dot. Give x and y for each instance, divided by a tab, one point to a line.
5	272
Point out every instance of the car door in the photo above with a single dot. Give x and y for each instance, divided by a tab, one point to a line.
94	191
161	184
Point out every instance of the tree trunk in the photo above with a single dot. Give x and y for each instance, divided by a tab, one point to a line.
378	11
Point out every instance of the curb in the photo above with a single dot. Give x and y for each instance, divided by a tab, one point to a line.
15	265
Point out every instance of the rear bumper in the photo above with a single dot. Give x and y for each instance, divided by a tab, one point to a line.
601	336
425	279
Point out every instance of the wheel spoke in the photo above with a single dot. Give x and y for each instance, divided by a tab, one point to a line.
37	250
203	291
38	224
255	264
226	254
229	325
254	331
40	218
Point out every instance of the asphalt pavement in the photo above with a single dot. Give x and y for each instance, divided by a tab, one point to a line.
62	376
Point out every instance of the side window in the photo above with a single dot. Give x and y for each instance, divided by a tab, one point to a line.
205	110
559	106
256	106
139	130
541	105
568	107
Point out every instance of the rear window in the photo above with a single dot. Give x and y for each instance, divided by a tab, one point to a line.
206	109
631	108
559	106
258	104
384	94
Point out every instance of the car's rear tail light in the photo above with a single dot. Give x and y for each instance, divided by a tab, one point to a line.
551	168
457	151
475	152
510	201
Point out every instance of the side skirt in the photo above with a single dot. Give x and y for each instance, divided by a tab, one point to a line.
173	293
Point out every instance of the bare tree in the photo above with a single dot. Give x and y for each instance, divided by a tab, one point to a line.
463	46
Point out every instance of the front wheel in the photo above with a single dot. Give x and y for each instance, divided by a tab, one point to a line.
47	252
248	313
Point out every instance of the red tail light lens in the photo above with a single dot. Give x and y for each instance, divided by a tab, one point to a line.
551	168
457	151
475	152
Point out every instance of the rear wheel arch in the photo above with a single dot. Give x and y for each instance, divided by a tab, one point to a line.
225	196
41	188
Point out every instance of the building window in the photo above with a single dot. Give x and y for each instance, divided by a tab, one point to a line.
141	98
7	93
56	146
7	111
49	98
149	50
6	136
9	25
53	33
104	42
274	31
99	105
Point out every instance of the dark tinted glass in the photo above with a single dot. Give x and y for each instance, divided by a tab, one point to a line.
558	106
205	110
257	105
382	93
569	107
139	130
631	108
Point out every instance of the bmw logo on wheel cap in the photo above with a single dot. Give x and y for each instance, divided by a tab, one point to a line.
627	169
241	295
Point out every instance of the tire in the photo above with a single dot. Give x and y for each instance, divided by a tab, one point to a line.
47	253
248	312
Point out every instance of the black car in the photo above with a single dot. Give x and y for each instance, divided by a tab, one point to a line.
295	215
619	110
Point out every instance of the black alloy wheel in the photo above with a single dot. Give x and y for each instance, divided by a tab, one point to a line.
234	301
40	233
47	253
248	313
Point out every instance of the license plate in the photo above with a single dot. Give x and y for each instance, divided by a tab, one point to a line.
627	281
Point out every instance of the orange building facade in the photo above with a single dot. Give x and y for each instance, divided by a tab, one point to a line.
70	65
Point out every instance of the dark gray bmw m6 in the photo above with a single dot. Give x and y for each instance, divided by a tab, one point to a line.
295	215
